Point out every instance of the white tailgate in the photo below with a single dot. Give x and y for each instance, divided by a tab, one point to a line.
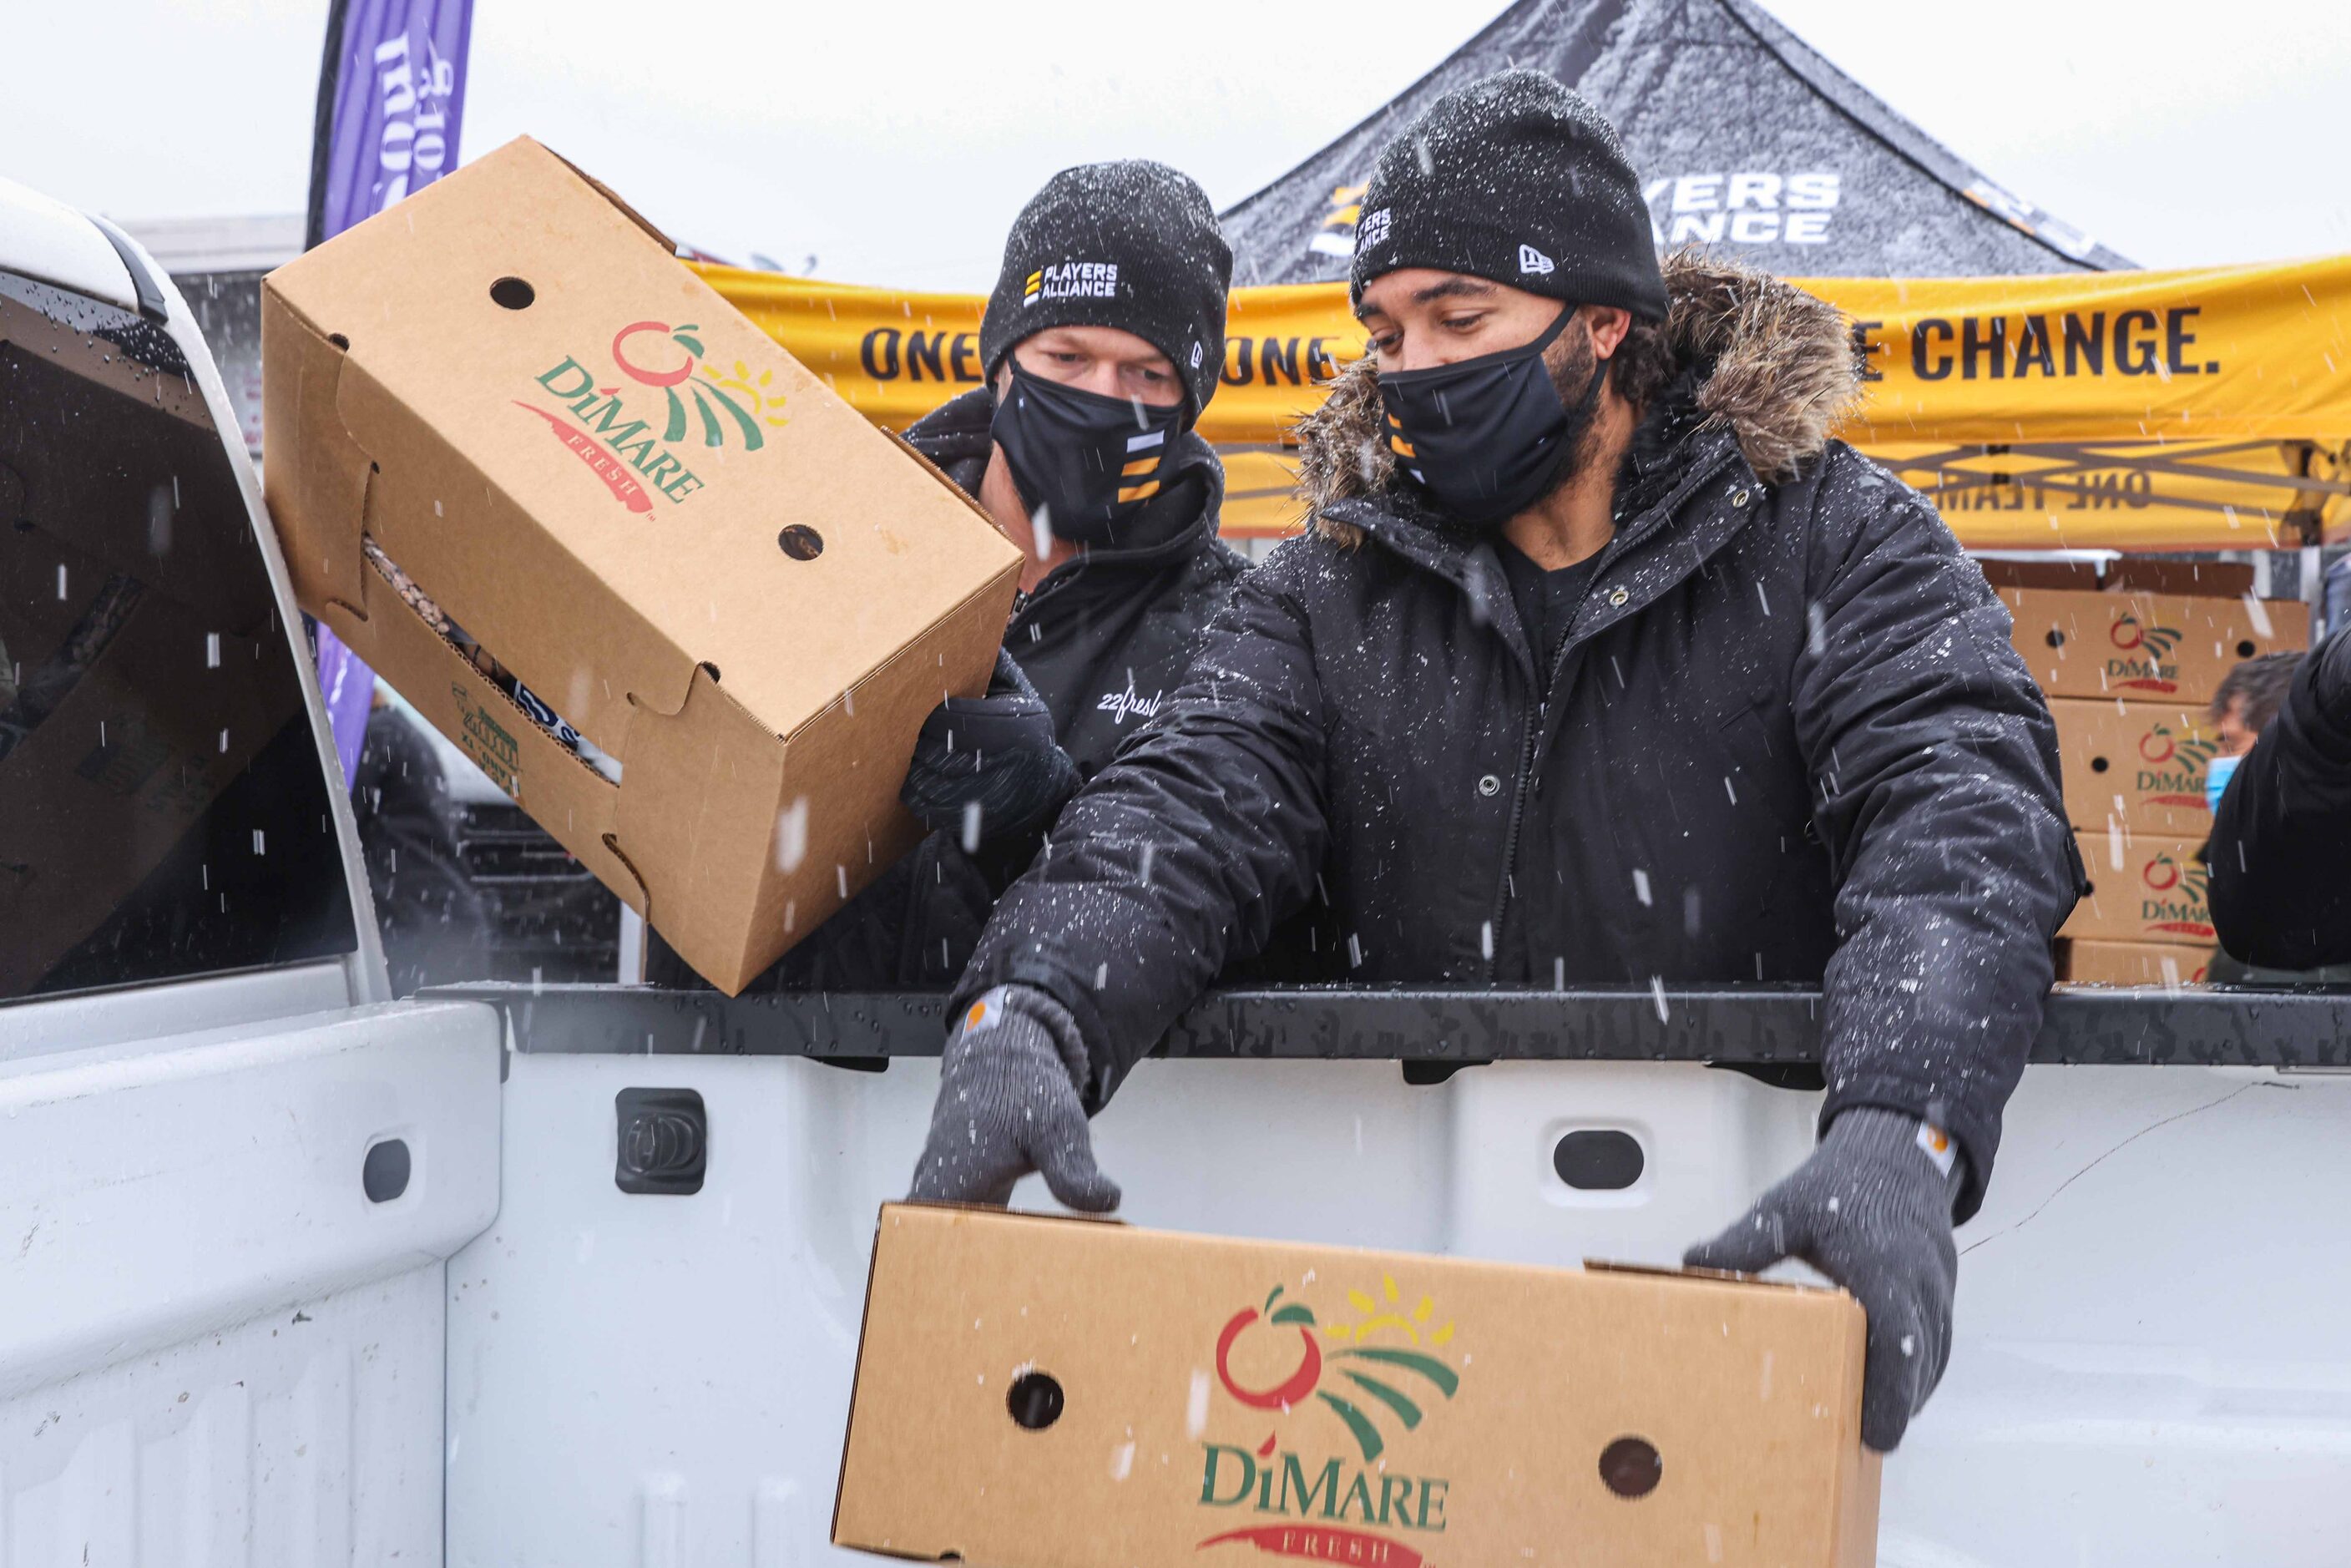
2148	1371
215	1348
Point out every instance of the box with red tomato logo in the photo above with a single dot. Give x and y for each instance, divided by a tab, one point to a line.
2136	764
683	603
2140	636
1066	1393
2144	887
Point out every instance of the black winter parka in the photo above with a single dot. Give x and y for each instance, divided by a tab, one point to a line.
1787	739
2280	854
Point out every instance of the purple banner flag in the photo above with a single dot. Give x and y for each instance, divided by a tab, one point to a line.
391	94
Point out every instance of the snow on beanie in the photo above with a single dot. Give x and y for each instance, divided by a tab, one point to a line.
1518	180
1132	244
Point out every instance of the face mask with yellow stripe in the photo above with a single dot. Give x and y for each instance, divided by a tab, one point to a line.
1084	462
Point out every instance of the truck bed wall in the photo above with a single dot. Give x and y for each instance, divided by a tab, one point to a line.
2147	1368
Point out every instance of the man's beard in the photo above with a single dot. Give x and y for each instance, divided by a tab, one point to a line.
1570	362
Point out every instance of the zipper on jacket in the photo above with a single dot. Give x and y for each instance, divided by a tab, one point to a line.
1538	725
1533	725
1059	578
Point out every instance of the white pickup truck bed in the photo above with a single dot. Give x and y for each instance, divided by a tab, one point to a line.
293	1274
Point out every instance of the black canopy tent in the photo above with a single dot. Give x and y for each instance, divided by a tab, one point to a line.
1748	142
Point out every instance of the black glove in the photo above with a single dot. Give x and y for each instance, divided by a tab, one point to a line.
986	768
1009	1105
1872	1210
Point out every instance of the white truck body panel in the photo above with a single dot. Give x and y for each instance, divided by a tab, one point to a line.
214	1348
2146	1370
49	241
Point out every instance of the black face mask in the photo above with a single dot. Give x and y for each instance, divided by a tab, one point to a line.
1087	462
1488	437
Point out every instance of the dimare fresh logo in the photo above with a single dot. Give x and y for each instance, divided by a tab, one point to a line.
2171	767
612	432
2175	898
1379	1372
2142	662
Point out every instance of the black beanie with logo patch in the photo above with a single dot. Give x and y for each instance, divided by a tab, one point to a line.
1517	180
1132	244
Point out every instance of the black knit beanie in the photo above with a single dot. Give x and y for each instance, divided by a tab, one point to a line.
1132	244
1515	179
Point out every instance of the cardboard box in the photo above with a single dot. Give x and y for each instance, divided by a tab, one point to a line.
2137	765
2139	646
2132	964
1066	1393
664	526
2144	887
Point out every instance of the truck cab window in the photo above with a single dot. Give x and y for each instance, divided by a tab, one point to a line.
163	810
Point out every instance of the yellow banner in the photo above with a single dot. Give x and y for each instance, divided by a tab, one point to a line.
2209	408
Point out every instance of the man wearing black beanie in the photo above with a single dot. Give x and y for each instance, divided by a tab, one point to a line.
1602	662
1102	341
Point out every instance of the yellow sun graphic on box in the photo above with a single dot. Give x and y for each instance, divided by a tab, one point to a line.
1387	1314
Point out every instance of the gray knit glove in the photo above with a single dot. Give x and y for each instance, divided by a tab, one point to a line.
1009	1105
1872	1210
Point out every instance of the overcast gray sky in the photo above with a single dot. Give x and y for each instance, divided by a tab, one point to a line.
894	142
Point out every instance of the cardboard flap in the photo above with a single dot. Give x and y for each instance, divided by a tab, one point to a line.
1703	1276
316	502
708	763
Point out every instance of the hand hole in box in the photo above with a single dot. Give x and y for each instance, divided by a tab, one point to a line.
1630	1467
1035	1401
513	293
2056	638
2098	765
2245	648
801	542
338	341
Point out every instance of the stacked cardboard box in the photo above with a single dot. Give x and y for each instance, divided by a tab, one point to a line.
2130	660
1066	1393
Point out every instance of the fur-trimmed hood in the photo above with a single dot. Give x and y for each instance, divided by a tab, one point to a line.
1784	374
